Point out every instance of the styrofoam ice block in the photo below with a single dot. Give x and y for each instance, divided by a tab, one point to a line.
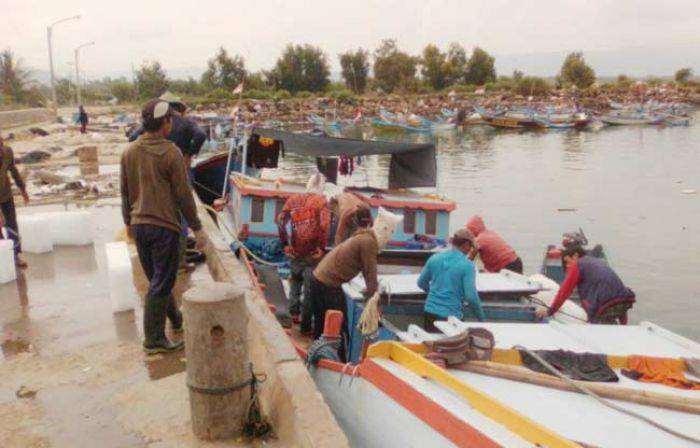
71	228
35	233
7	261
122	291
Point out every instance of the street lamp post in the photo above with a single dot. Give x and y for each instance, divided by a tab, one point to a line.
49	32
77	72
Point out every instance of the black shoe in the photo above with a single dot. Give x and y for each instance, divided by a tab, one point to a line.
195	256
164	346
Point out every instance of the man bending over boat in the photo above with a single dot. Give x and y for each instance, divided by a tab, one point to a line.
356	255
603	295
493	250
351	213
309	218
449	278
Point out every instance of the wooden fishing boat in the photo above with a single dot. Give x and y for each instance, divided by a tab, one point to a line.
394	396
509	120
621	118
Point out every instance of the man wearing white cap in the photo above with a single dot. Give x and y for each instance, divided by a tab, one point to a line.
155	192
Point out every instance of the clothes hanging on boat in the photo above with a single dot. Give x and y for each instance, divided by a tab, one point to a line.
577	366
263	152
659	370
346	166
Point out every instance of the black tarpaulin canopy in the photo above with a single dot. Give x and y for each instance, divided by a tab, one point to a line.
412	165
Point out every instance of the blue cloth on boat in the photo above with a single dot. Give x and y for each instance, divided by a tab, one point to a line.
449	278
185	134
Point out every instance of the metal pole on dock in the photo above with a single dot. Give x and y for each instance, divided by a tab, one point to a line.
216	347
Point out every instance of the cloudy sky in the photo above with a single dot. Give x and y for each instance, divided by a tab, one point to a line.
619	35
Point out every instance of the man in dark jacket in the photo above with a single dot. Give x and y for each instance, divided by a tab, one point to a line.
155	192
184	133
8	217
598	285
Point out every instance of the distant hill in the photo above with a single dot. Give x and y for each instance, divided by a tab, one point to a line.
636	62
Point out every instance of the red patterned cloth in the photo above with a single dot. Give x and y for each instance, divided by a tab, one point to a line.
310	220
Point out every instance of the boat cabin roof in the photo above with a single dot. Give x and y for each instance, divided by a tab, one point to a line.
376	197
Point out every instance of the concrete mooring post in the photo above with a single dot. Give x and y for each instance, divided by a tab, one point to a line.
218	372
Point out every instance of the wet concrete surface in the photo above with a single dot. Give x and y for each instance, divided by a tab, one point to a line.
93	384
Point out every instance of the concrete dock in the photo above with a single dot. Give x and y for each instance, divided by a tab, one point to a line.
72	373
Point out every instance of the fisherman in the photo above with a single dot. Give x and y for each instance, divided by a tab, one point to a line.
358	254
155	192
599	288
82	119
8	216
310	219
189	138
449	278
493	250
351	213
185	133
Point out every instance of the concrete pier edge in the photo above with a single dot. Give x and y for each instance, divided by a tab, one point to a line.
289	397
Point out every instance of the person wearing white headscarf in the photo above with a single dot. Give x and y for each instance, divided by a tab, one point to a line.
356	255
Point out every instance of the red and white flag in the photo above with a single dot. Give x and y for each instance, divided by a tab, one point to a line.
238	89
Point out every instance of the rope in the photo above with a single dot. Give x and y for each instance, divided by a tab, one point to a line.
230	232
603	401
560	311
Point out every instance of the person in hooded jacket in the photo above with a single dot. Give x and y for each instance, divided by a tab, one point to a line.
493	250
449	278
155	191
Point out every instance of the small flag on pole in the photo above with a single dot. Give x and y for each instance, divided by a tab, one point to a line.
238	89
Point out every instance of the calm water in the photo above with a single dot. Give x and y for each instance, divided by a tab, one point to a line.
624	185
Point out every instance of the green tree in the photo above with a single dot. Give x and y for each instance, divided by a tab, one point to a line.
188	87
394	69
683	75
532	85
575	71
255	81
435	69
123	91
224	71
151	80
518	75
301	68
481	68
355	69
13	77
65	91
456	63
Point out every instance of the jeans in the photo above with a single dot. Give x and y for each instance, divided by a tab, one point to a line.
429	322
7	209
158	250
324	298
299	290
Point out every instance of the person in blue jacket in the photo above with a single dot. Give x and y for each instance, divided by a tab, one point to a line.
449	278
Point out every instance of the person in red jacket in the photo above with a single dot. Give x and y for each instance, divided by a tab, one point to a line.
493	250
309	218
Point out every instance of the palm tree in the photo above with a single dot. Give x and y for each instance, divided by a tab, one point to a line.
13	77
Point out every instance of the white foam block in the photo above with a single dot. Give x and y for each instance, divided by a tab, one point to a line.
122	291
71	228
7	261
35	233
